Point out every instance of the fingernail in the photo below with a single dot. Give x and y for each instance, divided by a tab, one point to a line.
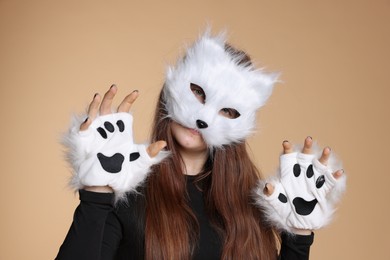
85	120
285	141
95	95
135	91
113	85
311	138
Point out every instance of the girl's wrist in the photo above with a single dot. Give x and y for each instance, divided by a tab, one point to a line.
100	189
302	232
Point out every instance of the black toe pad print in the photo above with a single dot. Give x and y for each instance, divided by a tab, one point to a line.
113	164
303	207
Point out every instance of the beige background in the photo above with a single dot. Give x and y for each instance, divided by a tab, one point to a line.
334	57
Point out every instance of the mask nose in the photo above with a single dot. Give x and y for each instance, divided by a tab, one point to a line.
201	124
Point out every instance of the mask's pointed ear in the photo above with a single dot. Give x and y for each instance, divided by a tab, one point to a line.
275	76
265	86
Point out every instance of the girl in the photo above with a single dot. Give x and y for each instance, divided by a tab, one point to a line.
198	201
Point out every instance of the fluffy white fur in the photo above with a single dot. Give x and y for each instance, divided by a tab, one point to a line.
226	85
327	207
82	148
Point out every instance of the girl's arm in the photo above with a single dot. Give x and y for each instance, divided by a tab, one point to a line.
95	232
295	247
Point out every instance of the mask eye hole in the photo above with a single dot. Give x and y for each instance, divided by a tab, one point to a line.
229	113
198	93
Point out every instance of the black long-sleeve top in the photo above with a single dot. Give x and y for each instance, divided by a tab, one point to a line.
101	231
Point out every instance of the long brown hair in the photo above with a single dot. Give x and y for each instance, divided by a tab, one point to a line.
229	177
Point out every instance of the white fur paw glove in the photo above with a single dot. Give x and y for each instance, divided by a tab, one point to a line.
105	154
304	194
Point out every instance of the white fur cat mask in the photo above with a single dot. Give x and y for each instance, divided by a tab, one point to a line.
212	91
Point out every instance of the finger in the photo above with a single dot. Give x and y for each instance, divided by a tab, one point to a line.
338	174
287	147
92	112
105	107
268	189
307	145
155	148
128	101
325	156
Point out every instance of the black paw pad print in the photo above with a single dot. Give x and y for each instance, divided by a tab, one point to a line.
303	207
113	164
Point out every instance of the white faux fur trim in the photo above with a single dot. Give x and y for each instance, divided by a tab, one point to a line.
74	156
